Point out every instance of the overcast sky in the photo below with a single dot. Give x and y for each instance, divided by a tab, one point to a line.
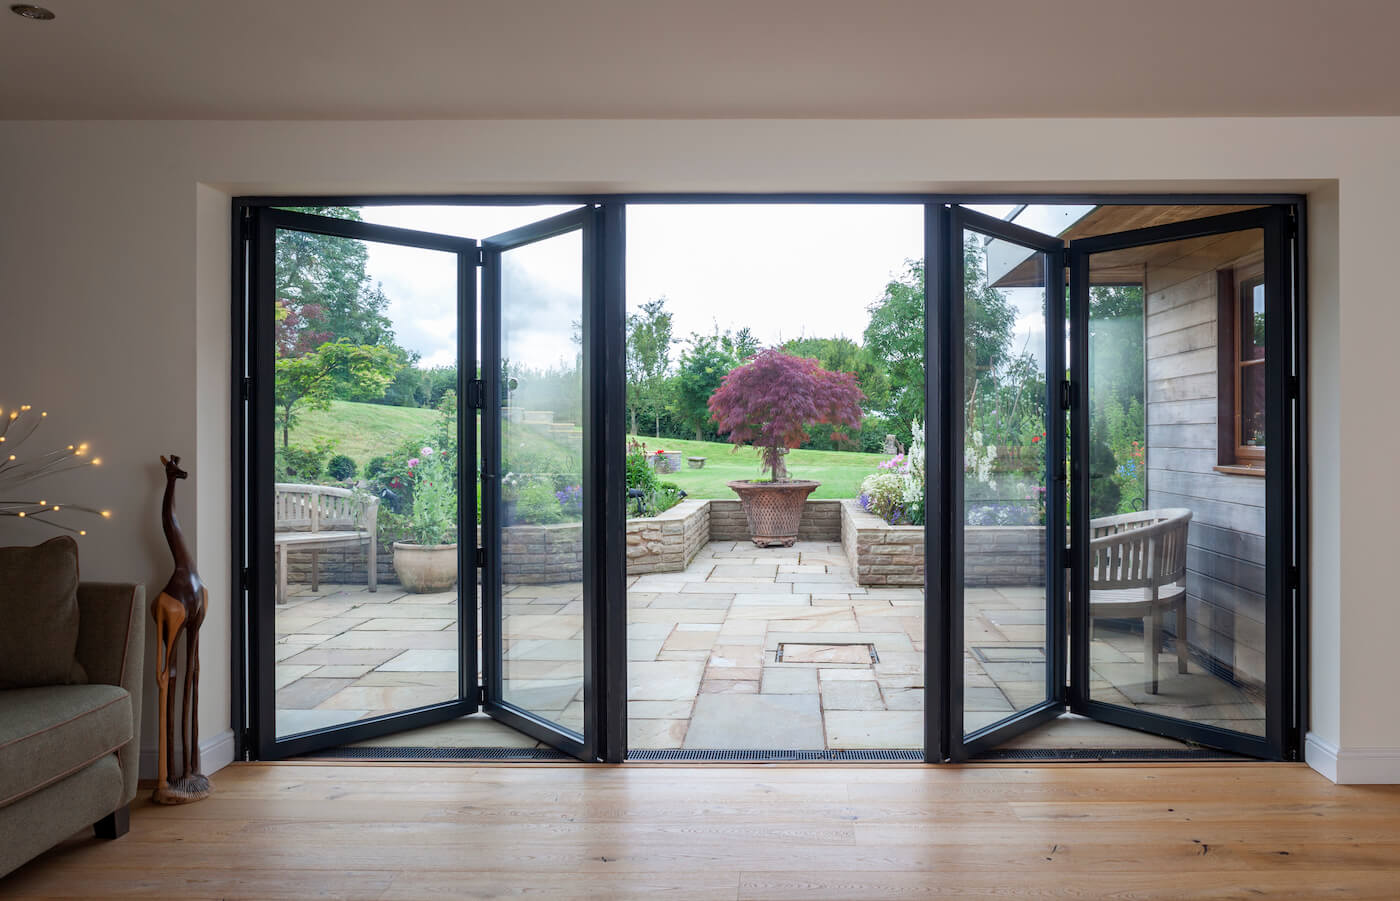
785	271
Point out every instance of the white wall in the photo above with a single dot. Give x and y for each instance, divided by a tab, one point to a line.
114	257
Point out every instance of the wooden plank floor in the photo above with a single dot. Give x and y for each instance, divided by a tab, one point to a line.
382	831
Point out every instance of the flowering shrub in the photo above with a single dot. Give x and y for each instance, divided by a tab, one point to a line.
896	492
977	460
433	516
570	500
883	495
536	504
1002	513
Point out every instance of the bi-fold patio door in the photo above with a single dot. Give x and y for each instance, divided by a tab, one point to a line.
516	642
1181	629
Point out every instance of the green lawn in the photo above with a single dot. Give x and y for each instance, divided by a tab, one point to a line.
840	472
362	431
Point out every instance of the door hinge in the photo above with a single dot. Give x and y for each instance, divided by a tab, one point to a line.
481	256
245	225
1294	577
1293	387
476	394
247	388
243	579
1069	559
481	556
480	694
1066	395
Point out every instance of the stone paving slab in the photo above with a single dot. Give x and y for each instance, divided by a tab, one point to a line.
701	648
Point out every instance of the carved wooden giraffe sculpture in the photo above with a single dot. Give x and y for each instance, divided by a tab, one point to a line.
180	607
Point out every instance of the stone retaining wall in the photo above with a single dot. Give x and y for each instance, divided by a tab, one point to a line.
669	541
344	565
882	554
879	553
821	521
542	554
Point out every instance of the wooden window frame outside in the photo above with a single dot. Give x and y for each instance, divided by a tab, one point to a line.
1234	456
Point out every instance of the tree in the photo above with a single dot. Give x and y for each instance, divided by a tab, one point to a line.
648	359
703	365
335	368
841	354
896	334
771	400
1115	344
323	290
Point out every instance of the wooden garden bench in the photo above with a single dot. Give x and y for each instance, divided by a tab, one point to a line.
317	517
1137	568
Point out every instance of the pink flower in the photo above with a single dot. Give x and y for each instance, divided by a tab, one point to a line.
412	462
426	451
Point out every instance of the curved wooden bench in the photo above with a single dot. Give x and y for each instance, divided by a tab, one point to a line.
317	517
1137	567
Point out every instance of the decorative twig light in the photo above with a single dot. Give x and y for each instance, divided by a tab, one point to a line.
18	469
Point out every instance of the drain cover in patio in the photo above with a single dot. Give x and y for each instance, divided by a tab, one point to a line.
797	652
998	654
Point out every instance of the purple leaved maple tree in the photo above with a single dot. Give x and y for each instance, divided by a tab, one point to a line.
771	400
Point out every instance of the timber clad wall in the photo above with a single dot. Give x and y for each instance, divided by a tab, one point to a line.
1225	557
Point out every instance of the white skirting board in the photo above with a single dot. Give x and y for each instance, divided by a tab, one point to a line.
215	753
1353	766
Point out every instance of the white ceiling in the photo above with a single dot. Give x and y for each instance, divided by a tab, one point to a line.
438	59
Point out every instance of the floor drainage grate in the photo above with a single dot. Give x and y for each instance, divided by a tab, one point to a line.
755	756
395	753
1001	654
739	755
860	652
1106	754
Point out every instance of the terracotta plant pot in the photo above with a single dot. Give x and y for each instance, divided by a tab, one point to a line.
774	509
425	568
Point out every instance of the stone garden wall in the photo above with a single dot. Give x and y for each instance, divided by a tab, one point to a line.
879	553
344	565
821	521
543	554
882	554
669	541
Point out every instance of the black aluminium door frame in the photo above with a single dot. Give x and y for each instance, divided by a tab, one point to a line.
248	435
603	516
1283	431
945	602
260	608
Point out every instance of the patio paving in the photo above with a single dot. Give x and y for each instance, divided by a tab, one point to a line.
704	669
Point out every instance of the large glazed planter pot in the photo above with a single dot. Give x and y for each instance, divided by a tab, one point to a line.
425	568
773	509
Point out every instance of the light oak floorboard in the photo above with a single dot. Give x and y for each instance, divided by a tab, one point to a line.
798	831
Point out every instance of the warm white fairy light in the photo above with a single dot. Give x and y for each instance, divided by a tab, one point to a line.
20	468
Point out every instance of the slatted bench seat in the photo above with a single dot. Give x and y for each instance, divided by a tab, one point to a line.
317	517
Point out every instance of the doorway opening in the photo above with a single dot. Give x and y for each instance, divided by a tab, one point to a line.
542	409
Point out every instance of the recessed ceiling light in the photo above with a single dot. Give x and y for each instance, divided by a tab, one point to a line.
31	12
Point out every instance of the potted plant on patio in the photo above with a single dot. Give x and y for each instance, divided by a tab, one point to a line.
428	561
769	402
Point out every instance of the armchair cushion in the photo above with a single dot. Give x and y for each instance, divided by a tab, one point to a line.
52	732
39	615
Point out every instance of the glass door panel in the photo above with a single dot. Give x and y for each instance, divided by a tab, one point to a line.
536	619
1177	615
351	645
1008	514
